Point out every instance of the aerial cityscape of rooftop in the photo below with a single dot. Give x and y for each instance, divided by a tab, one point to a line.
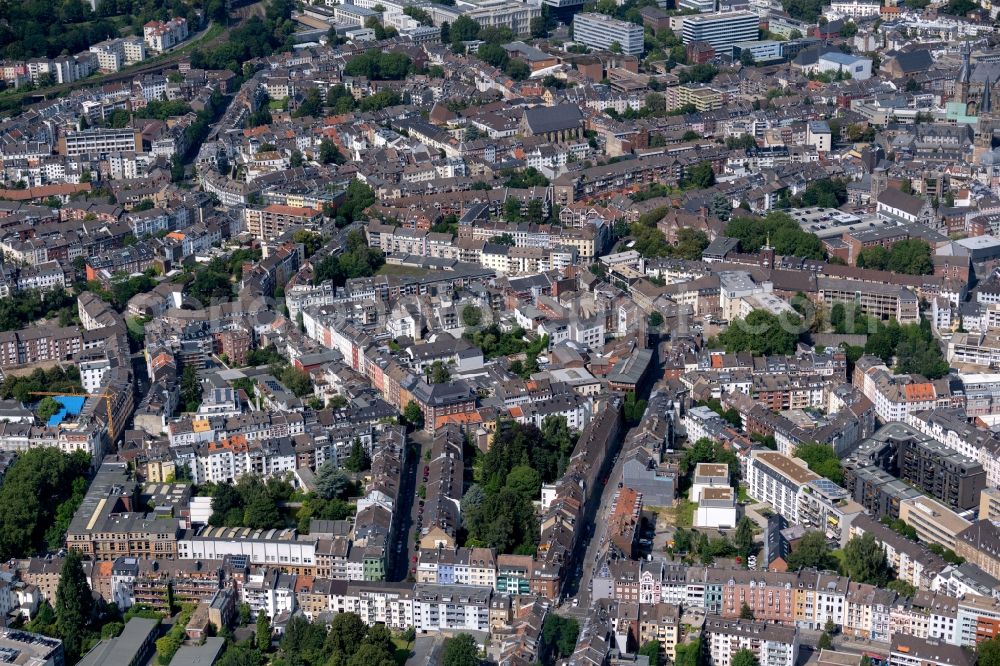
500	332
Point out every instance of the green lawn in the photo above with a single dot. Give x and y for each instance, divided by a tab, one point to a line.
682	513
402	650
136	325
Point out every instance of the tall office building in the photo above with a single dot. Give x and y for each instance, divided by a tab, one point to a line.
721	30
600	32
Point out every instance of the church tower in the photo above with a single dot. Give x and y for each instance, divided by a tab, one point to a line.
964	75
989	122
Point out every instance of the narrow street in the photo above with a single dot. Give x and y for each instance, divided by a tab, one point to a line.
401	556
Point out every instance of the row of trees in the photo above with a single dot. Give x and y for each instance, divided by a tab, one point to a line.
357	260
651	243
783	232
706	549
40	492
914	346
762	334
21	308
21	387
249	503
910	257
498	509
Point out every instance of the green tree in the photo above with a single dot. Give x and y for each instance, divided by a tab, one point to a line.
865	561
331	482
472	315
262	633
358	460
651	649
743	540
40	493
746	613
328	152
262	513
812	551
762	334
745	657
689	654
438	373
526	482
47	408
460	650
989	652
822	459
413	415
699	176
347	631
825	642
190	388
298	381
74	605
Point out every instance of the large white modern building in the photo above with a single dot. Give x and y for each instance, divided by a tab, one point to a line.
722	30
778	479
601	32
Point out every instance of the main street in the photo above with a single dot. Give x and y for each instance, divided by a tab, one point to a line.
579	586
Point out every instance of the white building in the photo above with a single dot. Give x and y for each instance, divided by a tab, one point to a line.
451	608
722	30
716	508
280	548
603	32
269	591
772	644
778	479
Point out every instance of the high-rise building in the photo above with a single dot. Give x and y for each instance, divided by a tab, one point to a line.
601	32
721	30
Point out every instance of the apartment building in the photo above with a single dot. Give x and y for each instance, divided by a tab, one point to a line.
100	142
952	428
276	548
229	459
272	221
980	544
885	301
827	507
933	521
989	504
977	619
868	612
982	348
896	396
778	480
913	562
600	31
925	615
38	344
162	35
722	30
108	526
458	566
910	651
660	622
451	608
773	645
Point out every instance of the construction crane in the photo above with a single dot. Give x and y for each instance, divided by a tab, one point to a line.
107	402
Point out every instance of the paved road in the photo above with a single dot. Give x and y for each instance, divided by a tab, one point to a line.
595	548
404	551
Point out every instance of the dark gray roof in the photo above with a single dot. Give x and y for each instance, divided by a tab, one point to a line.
542	119
914	61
